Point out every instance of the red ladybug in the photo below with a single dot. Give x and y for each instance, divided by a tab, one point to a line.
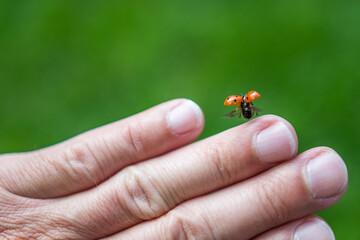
245	104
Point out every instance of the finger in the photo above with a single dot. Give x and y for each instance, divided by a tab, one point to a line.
149	189
89	158
313	181
307	228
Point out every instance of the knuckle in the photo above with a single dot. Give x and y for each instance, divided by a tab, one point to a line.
183	226
79	163
219	157
135	137
142	198
273	205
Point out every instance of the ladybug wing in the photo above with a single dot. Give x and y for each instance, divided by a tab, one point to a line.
251	96
233	114
256	109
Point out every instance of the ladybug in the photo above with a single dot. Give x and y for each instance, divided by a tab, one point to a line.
246	106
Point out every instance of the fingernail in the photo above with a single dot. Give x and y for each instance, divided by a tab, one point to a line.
326	175
275	143
314	229
185	117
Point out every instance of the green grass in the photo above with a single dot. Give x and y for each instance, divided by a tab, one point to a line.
66	67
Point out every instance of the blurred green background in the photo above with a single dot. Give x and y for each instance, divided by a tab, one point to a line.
69	66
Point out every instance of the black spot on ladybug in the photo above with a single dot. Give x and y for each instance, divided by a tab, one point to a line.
235	101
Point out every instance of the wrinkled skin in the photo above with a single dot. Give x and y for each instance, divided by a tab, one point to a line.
142	178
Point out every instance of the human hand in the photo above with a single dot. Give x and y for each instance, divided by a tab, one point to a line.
136	179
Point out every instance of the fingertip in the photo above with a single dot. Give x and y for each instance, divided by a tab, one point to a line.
325	174
276	141
309	227
313	228
271	118
185	118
